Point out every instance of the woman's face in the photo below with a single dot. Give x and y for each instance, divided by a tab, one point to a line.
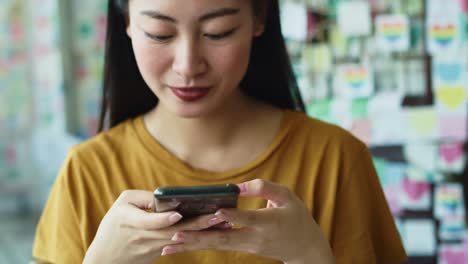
193	54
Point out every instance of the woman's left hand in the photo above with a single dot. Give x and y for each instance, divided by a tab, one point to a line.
284	230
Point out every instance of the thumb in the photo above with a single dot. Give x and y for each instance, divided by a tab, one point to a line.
277	194
138	211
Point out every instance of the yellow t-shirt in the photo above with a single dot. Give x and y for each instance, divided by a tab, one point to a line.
330	170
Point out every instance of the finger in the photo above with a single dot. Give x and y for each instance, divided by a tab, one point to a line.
276	193
142	199
234	239
198	223
141	219
249	218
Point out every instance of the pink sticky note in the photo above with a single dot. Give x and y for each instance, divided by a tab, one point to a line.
464	7
362	129
415	190
451	152
451	254
453	127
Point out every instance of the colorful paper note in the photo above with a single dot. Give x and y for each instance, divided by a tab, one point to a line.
354	81
415	195
392	33
421	124
294	21
452	127
443	33
452	254
420	237
354	18
451	158
448	201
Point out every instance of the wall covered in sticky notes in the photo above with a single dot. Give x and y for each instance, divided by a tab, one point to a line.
395	74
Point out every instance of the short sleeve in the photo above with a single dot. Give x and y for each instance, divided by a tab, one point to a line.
364	230
58	238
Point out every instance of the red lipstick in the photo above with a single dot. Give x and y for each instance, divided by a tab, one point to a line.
190	94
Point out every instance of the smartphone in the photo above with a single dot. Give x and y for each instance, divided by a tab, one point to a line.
196	200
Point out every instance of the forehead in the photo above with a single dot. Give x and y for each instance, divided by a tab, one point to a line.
187	8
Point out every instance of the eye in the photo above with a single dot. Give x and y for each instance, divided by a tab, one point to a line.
158	38
222	35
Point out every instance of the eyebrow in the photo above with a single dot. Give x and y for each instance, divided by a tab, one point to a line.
211	15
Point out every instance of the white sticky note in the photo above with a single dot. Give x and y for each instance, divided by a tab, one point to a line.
419	237
448	200
386	129
451	157
392	33
354	81
415	195
444	33
294	21
354	18
423	155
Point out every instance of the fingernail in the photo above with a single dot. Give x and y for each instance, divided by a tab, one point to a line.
178	237
227	225
214	221
220	213
175	217
168	251
242	187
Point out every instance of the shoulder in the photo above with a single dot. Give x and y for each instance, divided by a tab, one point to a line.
107	142
315	133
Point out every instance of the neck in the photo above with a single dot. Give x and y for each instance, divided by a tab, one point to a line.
213	133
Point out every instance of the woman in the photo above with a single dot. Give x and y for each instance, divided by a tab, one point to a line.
199	93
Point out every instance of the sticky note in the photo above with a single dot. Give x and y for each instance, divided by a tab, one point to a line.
423	155
451	157
294	21
421	123
448	200
452	254
415	195
393	33
443	33
452	228
419	237
452	126
354	81
362	129
354	18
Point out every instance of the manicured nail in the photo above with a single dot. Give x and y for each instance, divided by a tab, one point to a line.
220	213
168	251
242	187
214	221
227	225
175	217
178	237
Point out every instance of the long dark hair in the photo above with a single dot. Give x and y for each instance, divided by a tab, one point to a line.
269	76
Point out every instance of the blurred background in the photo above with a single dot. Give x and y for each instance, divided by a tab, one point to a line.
393	72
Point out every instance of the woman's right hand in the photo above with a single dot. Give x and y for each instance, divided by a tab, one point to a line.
129	233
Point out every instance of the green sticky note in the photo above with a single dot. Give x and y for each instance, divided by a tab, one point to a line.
319	108
380	166
359	108
85	29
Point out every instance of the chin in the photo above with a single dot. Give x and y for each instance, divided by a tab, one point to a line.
190	112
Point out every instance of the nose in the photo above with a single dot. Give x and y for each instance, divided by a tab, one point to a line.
189	61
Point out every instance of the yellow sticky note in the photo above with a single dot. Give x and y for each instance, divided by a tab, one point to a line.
422	121
452	97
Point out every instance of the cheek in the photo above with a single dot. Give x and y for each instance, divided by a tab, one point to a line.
232	62
150	59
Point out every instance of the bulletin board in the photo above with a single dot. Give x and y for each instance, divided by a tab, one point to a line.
395	74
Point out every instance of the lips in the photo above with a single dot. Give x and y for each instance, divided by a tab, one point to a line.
190	94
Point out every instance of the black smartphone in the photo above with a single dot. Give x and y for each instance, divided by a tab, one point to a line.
196	200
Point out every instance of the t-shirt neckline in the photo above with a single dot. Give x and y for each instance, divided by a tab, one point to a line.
174	163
